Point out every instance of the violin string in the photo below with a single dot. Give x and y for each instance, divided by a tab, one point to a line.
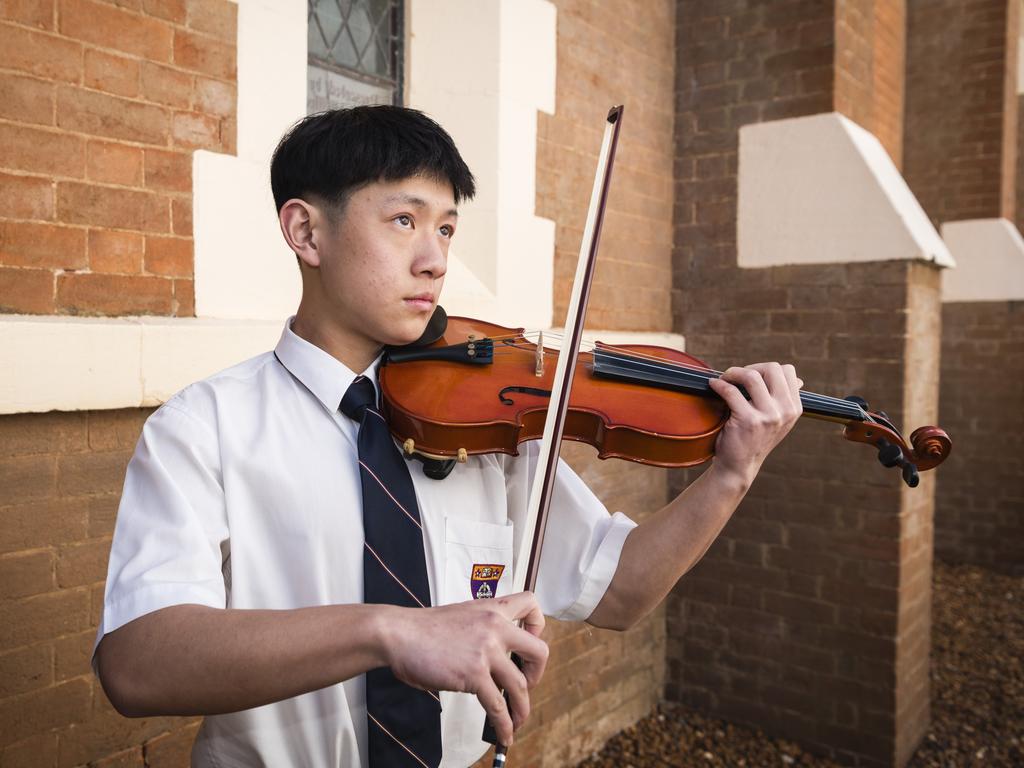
665	366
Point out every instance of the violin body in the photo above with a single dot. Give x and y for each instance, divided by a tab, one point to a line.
444	406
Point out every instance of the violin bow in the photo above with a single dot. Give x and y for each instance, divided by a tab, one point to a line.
542	489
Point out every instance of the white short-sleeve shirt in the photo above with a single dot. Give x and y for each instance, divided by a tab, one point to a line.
244	492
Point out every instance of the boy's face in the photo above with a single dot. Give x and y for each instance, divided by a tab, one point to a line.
383	259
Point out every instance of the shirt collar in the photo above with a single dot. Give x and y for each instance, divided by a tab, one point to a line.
321	373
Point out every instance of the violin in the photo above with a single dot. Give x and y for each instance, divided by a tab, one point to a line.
477	387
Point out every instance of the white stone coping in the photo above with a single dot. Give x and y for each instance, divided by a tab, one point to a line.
822	190
72	364
990	258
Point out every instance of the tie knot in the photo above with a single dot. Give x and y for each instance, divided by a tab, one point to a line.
360	396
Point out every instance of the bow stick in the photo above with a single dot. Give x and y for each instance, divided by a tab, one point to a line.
532	539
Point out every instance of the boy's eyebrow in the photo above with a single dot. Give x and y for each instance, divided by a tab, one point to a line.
416	202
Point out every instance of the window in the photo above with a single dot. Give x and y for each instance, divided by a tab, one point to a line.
355	53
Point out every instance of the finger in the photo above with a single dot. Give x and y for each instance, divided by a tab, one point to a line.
493	702
752	381
733	398
775	379
522	606
795	383
532	651
511	680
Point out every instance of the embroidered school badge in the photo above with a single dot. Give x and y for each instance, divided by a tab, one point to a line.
484	581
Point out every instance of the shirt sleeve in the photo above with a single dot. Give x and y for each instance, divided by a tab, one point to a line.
171	532
582	542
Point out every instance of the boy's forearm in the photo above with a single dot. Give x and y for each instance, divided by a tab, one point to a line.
666	545
196	660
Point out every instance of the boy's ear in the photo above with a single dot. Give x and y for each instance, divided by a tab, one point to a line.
298	221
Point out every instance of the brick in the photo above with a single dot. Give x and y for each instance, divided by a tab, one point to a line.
41	151
84	563
32	13
40	54
27	478
31	244
126	758
181	216
81	474
39	751
27	99
26	197
114	74
26	669
106	733
113	163
169	256
39	711
184	298
99	114
215	97
26	573
171	10
170	171
195	130
112	207
42	617
205	55
27	434
41	523
115	252
213	18
114	295
166	85
171	750
72	655
26	291
116	430
114	28
103	513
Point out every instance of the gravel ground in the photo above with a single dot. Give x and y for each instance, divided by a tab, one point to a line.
977	695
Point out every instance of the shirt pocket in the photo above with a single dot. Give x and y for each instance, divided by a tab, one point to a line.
478	560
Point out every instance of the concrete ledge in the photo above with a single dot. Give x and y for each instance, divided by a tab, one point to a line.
81	364
990	261
822	190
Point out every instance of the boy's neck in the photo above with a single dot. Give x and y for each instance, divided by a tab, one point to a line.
318	331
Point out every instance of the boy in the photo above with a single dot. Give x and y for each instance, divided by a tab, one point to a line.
261	571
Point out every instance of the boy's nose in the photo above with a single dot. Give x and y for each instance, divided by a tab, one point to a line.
432	258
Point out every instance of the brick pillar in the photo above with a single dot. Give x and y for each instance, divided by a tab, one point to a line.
962	138
810	615
961	107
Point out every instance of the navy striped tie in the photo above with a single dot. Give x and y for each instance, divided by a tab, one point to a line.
403	723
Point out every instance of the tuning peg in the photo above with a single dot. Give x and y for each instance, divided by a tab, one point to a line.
889	454
857	401
910	476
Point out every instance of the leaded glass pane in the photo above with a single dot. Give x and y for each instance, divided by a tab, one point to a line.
355	52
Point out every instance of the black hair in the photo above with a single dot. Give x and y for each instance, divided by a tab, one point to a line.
331	154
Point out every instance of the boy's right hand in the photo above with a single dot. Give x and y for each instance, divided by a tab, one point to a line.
465	647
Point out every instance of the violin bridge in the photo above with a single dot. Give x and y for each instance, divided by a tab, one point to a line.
538	365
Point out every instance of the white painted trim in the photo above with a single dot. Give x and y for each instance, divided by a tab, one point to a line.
70	364
990	259
822	190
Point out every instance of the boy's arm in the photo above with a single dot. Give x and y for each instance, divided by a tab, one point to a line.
662	548
193	659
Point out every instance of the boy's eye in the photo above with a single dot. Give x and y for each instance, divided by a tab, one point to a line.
447	230
404	220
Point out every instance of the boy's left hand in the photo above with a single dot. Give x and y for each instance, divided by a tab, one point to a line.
757	425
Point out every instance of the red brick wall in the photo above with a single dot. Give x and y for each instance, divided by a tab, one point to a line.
869	64
979	515
61	475
961	60
101	107
809	615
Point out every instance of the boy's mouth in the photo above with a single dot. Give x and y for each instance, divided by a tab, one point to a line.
423	301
